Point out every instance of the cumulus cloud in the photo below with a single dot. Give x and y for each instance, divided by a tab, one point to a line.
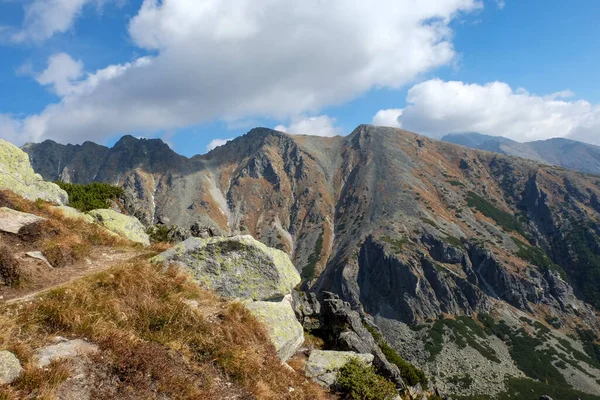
321	125
45	18
388	117
437	107
61	72
239	59
216	143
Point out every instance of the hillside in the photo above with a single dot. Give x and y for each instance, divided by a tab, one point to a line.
480	268
558	151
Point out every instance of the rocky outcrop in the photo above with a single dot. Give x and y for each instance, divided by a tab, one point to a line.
235	267
10	367
285	332
335	321
323	366
12	221
241	267
123	225
17	175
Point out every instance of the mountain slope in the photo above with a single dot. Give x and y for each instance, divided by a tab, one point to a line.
461	257
558	151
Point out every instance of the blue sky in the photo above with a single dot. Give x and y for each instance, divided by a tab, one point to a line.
191	72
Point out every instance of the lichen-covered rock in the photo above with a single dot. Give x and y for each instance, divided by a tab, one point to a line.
235	267
124	225
64	350
284	330
16	174
10	367
73	213
323	366
12	221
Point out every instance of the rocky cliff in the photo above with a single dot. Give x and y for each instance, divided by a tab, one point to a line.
480	268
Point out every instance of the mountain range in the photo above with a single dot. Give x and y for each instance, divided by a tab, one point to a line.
567	153
481	268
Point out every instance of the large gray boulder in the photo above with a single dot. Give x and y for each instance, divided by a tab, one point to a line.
12	221
285	332
323	366
235	267
17	175
124	225
10	367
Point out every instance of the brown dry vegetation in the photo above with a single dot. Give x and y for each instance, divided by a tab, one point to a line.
153	343
65	242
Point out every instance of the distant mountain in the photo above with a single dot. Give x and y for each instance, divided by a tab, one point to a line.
480	268
558	151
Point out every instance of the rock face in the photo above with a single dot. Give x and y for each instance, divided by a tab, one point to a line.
123	225
235	267
323	366
10	367
285	331
16	174
12	221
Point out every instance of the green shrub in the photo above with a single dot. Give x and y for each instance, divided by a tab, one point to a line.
362	383
410	374
584	243
308	272
505	219
536	256
90	196
397	244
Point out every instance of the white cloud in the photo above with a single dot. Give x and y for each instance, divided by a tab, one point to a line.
45	18
216	143
321	125
239	59
61	73
436	107
387	118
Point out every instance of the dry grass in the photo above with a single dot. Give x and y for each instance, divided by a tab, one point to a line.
153	343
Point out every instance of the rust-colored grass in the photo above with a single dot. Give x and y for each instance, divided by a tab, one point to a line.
154	342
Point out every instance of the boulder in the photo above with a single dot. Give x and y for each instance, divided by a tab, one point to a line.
64	350
123	225
284	330
323	366
10	367
235	267
12	221
73	213
17	175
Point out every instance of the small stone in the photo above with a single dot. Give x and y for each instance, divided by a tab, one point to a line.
10	367
63	350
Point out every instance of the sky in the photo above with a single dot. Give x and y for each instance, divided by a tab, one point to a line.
197	73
